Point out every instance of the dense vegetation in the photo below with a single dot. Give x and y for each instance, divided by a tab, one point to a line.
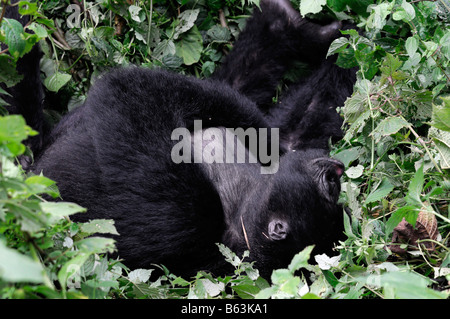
396	149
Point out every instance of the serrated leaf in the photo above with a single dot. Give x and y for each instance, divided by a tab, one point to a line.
100	226
389	126
337	45
311	6
138	276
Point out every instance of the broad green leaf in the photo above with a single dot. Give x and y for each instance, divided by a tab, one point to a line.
409	213
405	12
13	129
337	46
163	49
71	268
15	267
441	114
389	126
383	189
61	209
311	6
138	276
300	260
100	226
55	82
407	285
219	34
186	21
190	46
12	34
411	46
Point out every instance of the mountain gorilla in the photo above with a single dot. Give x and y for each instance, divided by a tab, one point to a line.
112	155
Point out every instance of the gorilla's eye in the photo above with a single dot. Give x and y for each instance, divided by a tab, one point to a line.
278	229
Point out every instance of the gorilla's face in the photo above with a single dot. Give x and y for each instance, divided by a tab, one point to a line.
292	209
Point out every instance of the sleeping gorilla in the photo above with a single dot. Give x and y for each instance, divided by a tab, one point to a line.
112	155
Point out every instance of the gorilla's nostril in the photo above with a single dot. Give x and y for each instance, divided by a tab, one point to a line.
278	229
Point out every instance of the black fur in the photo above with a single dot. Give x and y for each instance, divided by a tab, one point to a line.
27	97
112	154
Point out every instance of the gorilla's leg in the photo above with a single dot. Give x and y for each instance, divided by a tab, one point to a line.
272	38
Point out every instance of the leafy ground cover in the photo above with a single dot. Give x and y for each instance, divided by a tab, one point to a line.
396	150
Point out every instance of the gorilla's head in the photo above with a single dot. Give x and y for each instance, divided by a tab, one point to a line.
275	216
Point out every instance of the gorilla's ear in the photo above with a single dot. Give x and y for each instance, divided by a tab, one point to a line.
327	172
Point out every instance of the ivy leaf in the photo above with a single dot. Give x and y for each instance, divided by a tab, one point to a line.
190	46
311	6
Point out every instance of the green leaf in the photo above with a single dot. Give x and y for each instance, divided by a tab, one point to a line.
409	213
13	35
337	45
186	21
300	260
389	126
100	226
13	129
407	285
96	245
55	82
383	189
15	267
61	209
71	268
405	12
441	114
411	46
190	46
311	6
441	140
163	49
415	188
